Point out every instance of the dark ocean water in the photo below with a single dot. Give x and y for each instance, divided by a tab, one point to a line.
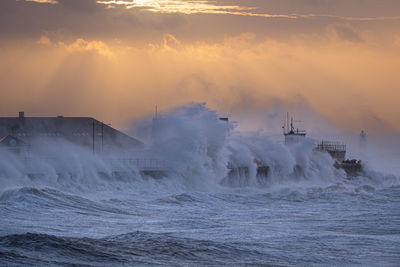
169	222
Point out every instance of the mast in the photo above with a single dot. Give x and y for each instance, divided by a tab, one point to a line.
291	124
287	121
291	135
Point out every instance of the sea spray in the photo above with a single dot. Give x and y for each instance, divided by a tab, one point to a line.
194	142
198	151
65	205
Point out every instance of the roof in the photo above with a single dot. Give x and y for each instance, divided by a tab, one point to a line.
11	141
67	127
302	133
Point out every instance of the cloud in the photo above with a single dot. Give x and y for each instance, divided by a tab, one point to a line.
176	6
397	40
346	32
82	45
170	42
351	83
79	45
80	6
188	20
78	57
43	1
44	40
210	7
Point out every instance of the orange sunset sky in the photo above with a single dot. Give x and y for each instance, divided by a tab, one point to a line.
115	60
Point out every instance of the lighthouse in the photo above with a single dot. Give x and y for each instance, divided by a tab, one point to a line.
363	144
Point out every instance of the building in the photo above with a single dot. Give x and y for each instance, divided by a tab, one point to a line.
292	136
13	144
337	150
83	131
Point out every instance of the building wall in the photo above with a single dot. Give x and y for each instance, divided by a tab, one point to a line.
82	131
339	156
293	139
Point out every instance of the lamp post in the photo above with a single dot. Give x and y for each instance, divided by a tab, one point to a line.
102	134
93	123
93	134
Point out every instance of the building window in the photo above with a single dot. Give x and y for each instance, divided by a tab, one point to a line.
13	142
80	134
49	134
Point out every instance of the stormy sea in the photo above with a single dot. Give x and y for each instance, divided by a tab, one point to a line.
77	210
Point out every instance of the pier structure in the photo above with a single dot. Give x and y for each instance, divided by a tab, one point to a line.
82	131
291	134
337	150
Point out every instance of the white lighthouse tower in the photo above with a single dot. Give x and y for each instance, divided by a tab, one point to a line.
363	144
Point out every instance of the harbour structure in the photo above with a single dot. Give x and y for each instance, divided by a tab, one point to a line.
13	144
20	134
23	135
363	144
82	131
291	134
238	175
336	150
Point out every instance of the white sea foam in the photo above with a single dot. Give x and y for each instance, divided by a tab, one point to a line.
195	146
85	209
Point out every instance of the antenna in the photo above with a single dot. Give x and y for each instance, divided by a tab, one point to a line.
291	124
156	112
287	121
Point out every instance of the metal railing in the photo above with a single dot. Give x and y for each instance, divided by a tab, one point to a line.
330	146
142	164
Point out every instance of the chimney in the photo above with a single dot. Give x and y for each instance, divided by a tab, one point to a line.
21	114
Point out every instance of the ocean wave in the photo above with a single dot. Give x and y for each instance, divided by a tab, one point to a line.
133	248
41	198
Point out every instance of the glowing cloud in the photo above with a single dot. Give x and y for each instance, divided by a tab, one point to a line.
206	7
83	45
176	6
79	45
43	1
